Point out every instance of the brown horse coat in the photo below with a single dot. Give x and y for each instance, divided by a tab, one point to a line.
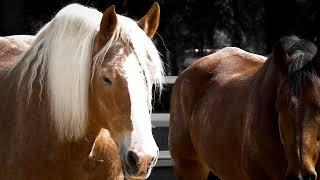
224	118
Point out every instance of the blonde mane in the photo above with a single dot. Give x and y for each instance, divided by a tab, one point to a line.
61	56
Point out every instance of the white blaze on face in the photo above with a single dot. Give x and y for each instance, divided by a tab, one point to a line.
140	140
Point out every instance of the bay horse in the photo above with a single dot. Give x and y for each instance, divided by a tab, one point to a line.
76	98
244	116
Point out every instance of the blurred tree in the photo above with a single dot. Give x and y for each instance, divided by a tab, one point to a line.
188	24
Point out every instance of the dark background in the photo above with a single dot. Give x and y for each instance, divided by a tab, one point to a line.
189	28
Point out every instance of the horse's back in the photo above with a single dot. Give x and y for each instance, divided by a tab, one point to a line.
228	65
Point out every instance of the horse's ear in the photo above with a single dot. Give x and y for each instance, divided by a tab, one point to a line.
150	22
108	23
280	57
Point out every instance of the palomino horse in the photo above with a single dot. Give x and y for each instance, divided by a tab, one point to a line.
104	161
82	72
243	116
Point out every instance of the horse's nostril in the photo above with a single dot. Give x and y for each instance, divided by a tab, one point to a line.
132	158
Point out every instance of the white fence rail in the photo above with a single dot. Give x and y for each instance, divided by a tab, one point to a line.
162	120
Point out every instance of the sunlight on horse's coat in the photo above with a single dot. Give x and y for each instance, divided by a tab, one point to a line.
140	114
83	72
73	30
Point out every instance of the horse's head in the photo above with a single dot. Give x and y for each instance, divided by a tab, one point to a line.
298	105
125	65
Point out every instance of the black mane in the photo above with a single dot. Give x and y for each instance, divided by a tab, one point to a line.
300	66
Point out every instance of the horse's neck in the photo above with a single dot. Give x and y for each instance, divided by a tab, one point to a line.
262	137
262	124
266	84
37	105
26	126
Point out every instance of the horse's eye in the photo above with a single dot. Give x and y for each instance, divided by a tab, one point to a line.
107	80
